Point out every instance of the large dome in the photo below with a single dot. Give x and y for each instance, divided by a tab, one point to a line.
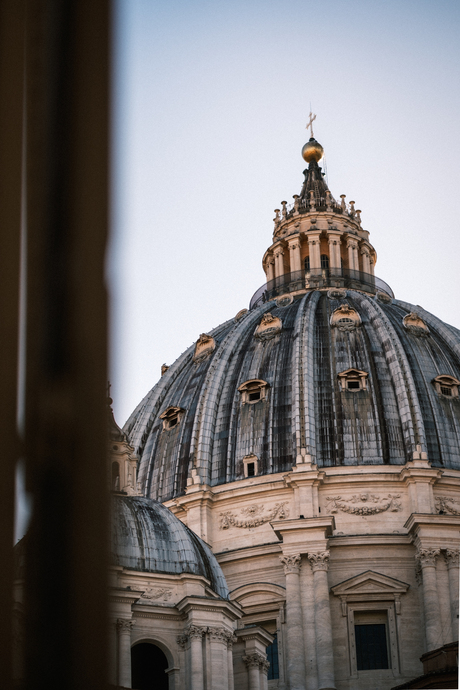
349	377
146	536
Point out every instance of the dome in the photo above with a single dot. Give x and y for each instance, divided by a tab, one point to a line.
350	377
146	536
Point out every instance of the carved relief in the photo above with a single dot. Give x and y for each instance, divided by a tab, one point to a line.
284	300
443	505
158	593
291	563
254	516
205	345
268	327
182	640
319	561
345	318
364	504
336	293
240	314
384	298
415	325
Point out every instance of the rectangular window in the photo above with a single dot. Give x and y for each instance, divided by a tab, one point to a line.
254	396
446	391
251	469
371	640
272	657
353	385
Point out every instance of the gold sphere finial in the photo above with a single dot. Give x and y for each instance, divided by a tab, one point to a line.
312	151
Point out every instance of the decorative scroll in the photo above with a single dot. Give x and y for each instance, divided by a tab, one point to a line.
442	505
158	593
254	516
414	324
124	626
364	504
268	327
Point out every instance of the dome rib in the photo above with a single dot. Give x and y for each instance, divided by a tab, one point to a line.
304	373
406	395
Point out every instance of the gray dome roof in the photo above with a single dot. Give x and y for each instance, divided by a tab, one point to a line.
305	406
146	536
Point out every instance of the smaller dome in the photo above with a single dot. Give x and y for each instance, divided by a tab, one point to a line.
147	536
312	151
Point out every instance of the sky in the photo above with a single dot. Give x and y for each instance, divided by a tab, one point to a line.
210	103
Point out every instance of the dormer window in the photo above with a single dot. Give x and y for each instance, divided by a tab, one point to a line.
171	417
253	391
250	463
345	318
446	386
353	380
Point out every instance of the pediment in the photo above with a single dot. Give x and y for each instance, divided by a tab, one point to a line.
370	583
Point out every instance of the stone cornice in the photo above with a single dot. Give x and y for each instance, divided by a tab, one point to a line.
248	552
231	608
417	520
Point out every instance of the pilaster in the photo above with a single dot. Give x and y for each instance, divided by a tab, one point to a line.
420	478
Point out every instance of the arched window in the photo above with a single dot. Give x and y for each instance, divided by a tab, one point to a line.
148	666
307	263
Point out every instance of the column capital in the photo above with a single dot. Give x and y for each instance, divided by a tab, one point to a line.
124	626
427	557
254	660
451	556
319	561
352	242
195	631
264	666
294	244
291	563
218	633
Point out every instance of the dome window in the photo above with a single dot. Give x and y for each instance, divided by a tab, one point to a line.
171	417
268	327
250	463
253	391
415	324
205	345
345	318
353	380
446	386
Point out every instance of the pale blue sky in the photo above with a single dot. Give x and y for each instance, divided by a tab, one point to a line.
211	101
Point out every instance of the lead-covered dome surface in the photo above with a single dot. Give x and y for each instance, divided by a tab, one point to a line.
146	536
305	404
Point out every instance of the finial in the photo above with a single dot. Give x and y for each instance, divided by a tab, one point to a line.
312	151
358	216
284	212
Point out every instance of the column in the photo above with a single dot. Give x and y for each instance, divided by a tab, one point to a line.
124	628
315	254
270	269
352	245
218	654
113	650
279	263
230	640
427	558
294	255
451	557
324	654
334	253
264	666
366	260
294	629
253	662
195	633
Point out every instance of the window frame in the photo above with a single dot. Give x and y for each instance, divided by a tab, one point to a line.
391	635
